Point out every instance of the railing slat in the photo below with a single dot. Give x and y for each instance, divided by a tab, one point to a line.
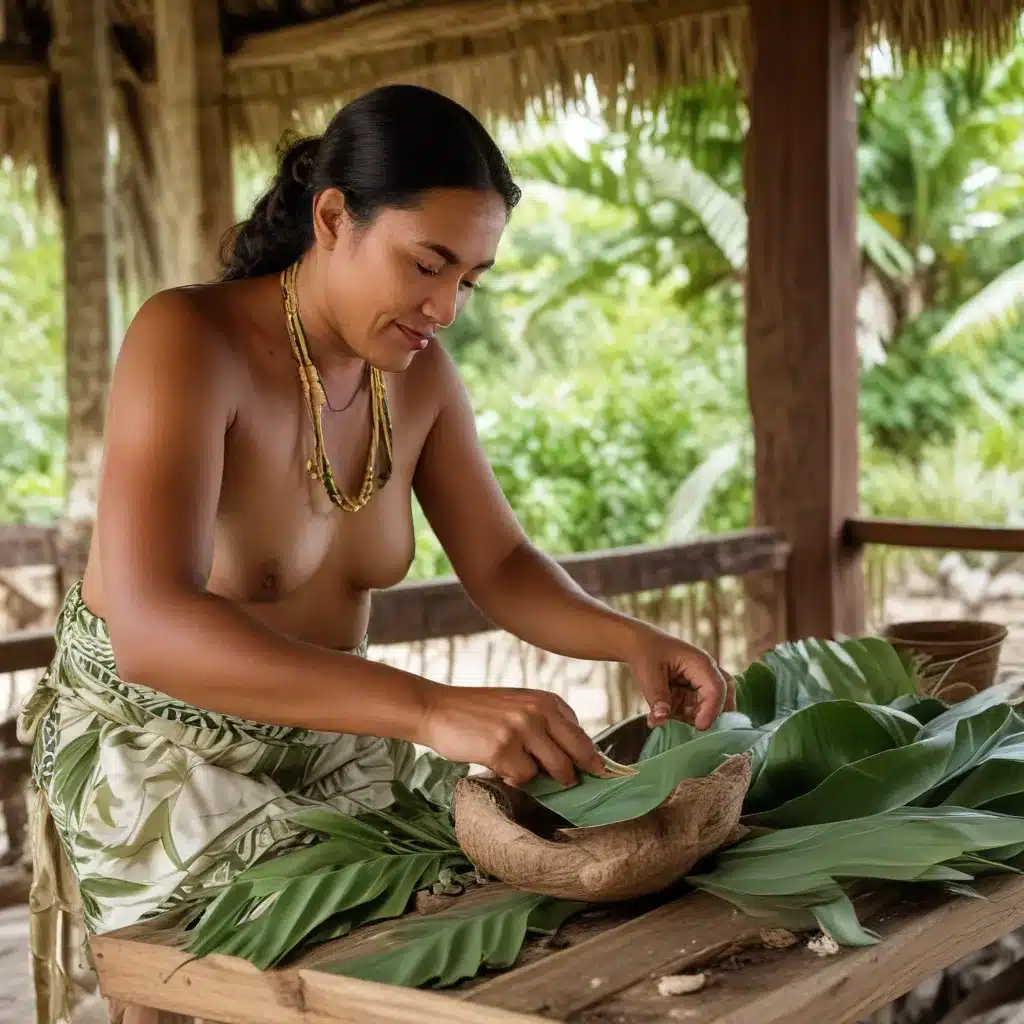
440	608
24	545
936	536
26	650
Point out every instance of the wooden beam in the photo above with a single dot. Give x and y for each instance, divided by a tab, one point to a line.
923	934
25	545
30	649
82	59
158	974
195	172
936	536
391	25
17	64
609	975
441	608
801	293
587	973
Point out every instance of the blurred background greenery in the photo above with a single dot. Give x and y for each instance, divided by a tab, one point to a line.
605	353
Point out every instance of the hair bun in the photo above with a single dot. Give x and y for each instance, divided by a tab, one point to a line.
299	160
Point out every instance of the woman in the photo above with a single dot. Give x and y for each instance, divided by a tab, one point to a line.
265	435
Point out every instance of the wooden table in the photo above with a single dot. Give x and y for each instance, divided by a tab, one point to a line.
607	974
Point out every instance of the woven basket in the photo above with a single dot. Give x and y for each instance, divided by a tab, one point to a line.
956	658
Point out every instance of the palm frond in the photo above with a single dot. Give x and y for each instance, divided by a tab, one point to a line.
996	309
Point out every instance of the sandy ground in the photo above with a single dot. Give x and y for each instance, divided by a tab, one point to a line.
16	1002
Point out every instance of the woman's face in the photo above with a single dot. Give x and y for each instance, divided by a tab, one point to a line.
386	288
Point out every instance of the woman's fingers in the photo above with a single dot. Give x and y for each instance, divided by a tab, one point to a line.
577	744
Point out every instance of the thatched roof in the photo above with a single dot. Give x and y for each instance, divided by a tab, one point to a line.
286	59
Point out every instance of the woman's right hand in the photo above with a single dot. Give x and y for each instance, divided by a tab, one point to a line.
514	732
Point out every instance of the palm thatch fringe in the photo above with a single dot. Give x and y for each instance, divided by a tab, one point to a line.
504	59
500	57
536	57
925	31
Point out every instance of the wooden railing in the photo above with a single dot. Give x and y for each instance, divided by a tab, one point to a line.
895	546
434	609
900	533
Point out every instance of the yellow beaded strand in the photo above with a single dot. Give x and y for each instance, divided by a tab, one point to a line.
319	466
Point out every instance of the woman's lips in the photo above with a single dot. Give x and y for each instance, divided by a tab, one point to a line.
417	339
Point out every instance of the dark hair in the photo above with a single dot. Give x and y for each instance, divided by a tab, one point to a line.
382	150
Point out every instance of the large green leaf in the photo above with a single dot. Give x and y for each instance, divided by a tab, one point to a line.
789	873
367	870
674	733
820	739
755	694
596	801
906	773
879	782
793	675
263	921
446	947
993	312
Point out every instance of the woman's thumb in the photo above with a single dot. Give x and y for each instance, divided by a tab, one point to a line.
655	688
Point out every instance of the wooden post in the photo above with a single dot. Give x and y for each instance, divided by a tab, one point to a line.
82	60
195	171
802	364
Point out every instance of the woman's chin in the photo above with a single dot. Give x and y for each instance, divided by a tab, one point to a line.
391	359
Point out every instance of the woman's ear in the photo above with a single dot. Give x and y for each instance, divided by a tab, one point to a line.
330	217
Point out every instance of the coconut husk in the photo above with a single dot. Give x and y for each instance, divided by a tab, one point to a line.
516	839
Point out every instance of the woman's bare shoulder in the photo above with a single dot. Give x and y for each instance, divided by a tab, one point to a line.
184	322
185	334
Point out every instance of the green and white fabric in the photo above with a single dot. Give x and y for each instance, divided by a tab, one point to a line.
149	800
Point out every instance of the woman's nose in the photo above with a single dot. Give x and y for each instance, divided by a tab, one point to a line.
442	304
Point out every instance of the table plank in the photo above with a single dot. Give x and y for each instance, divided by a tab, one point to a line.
143	968
922	935
609	974
678	937
687	931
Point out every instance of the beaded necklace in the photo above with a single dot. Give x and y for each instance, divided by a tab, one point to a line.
380	457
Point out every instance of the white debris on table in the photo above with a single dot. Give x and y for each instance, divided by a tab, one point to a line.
823	945
681	984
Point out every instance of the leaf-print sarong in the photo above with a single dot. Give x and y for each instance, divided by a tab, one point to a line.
143	800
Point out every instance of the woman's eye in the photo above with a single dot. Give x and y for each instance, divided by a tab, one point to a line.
468	285
427	271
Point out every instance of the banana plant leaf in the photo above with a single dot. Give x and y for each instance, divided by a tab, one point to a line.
603	801
790	875
674	733
446	947
367	869
263	921
901	775
820	739
793	675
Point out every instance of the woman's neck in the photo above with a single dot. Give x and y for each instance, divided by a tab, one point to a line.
327	348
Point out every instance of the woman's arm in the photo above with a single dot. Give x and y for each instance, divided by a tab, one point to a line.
172	402
527	593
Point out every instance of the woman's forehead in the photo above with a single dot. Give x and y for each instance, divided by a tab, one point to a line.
462	226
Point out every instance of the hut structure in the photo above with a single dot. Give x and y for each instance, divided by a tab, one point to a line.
132	109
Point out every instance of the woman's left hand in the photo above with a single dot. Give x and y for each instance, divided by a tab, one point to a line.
679	680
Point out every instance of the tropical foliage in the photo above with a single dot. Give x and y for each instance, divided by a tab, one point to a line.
855	776
605	356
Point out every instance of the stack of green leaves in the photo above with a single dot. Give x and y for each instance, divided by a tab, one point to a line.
367	869
854	776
